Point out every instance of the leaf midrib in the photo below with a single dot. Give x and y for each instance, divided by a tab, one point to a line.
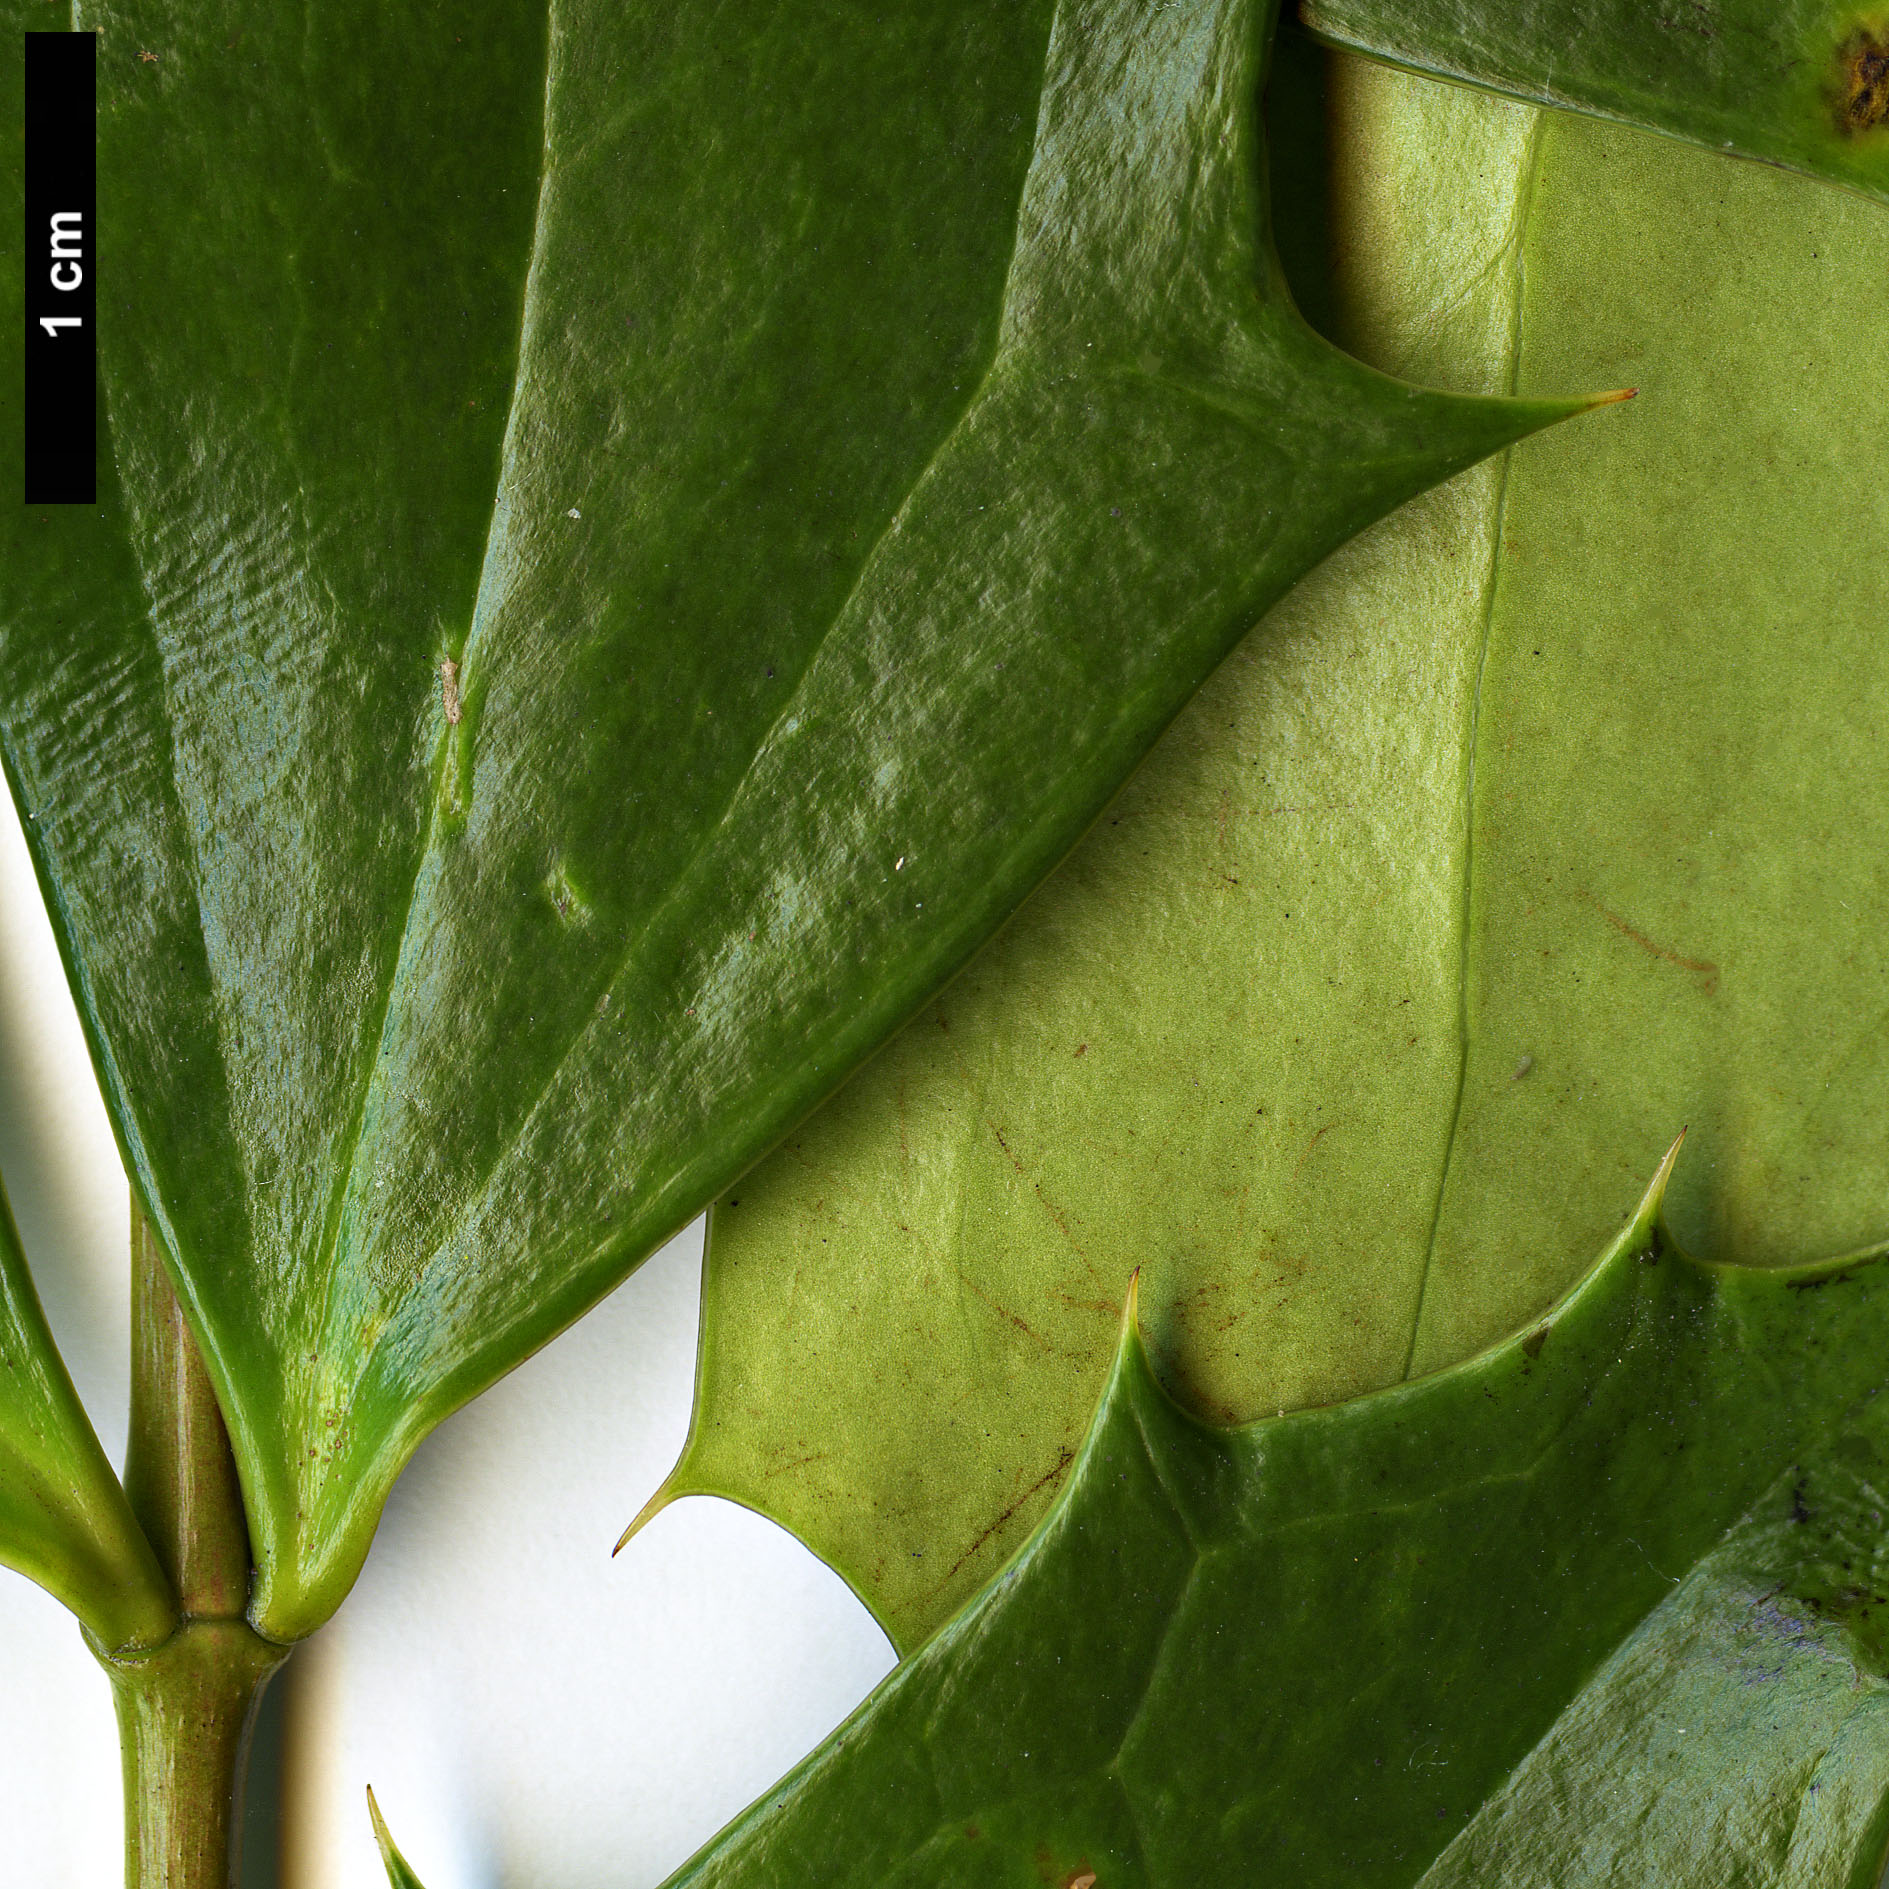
1524	211
327	1257
326	1250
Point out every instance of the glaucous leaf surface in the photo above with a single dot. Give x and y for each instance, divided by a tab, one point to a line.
630	539
1798	82
1546	818
1415	1637
64	1520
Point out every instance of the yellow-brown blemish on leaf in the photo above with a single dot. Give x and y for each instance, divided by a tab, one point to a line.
449	688
569	903
1862	88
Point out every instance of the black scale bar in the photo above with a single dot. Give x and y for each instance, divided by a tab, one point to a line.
61	252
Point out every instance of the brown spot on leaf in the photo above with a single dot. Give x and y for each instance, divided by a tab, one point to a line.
1818	1283
1533	1343
449	688
1862	87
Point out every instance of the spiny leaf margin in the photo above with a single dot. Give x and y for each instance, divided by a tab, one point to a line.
1223	1652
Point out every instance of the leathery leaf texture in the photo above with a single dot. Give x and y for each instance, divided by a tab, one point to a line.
64	1520
630	539
1798	82
1546	816
1603	1605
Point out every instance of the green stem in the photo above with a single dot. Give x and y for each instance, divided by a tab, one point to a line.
183	1730
184	1709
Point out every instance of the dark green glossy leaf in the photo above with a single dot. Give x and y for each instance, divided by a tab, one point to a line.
1426	1636
399	1871
1545	817
1740	1734
64	1520
622	559
1798	82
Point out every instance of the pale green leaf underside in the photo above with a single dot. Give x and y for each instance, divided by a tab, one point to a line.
574	649
1603	1605
1228	1041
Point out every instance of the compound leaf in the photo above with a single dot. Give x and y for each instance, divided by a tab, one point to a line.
629	541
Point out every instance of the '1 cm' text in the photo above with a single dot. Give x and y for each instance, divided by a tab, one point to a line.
68	247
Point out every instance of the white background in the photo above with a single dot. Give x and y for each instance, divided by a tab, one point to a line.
531	1713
